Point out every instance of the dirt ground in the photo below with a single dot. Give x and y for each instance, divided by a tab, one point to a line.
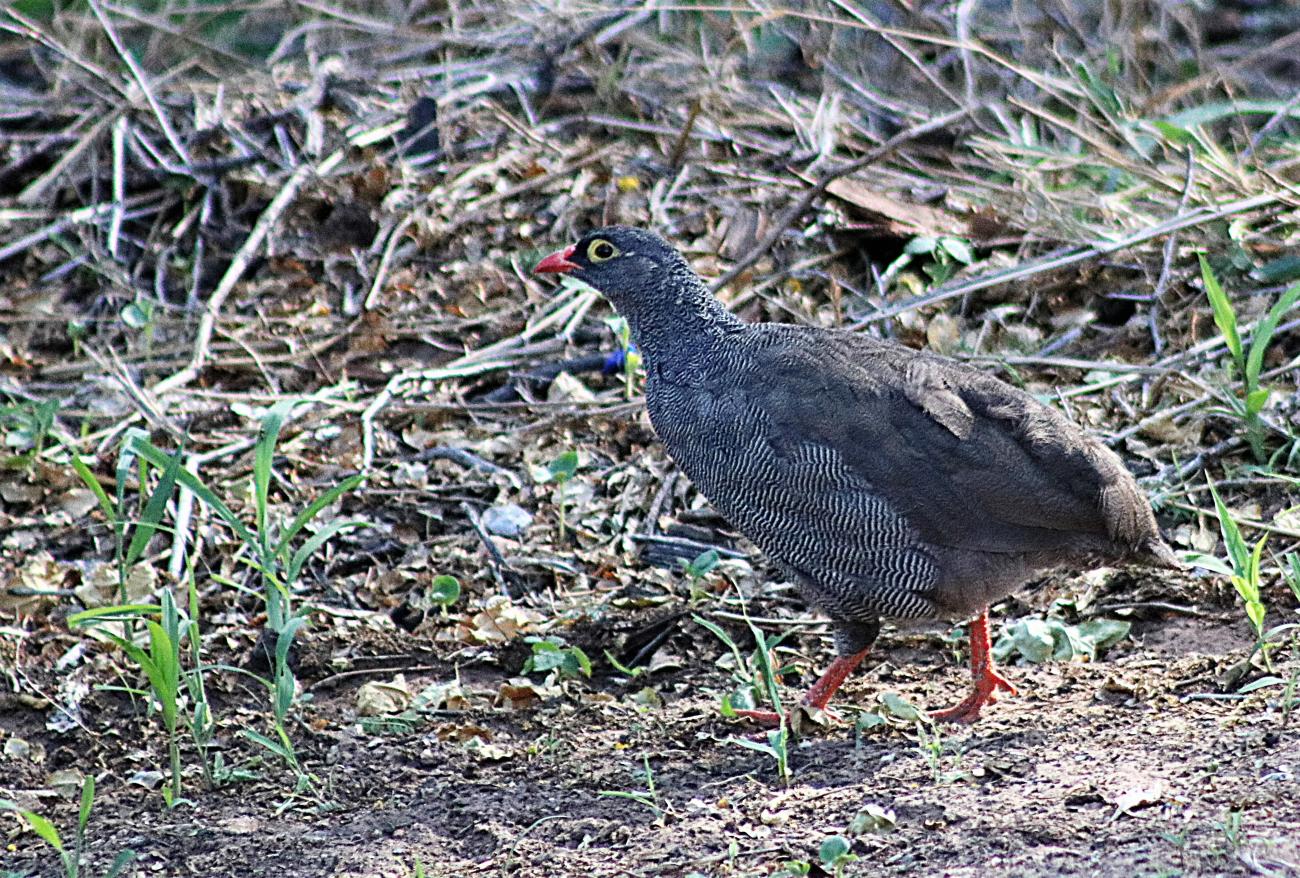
248	213
1135	765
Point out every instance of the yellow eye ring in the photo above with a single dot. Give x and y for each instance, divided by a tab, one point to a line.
601	250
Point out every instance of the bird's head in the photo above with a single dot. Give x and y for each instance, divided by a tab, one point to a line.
624	263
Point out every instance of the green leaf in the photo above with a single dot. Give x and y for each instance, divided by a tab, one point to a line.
546	657
137	314
284	639
1261	683
920	245
154	510
1256	400
1103	96
833	849
87	801
563	467
127	453
444	590
867	721
268	435
1238	554
115	612
1224	317
576	662
1208	562
120	862
1263	334
1213	112
1174	134
154	455
1282	270
1101	634
900	707
274	746
88	479
42	827
318	539
1033	639
958	249
765	749
702	564
314	508
163	672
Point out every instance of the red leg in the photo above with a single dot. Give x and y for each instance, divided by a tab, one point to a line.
987	680
819	695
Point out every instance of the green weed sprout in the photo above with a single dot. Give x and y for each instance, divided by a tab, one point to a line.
760	680
1247	363
698	568
27	426
649	798
126	554
550	654
270	548
161	663
1245	576
71	859
835	854
444	591
945	255
560	471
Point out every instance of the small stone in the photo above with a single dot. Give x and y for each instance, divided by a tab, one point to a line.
509	520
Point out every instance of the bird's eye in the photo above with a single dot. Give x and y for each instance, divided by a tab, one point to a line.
600	250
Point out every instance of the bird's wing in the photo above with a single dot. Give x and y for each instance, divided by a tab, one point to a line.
968	461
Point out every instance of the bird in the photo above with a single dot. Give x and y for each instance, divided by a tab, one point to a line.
884	481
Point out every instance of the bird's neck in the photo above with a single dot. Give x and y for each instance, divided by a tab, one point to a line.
681	334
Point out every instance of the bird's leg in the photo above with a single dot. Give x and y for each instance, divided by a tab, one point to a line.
817	696
987	680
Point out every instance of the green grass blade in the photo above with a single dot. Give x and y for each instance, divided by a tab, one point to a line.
317	540
268	435
88	478
273	746
154	510
87	801
120	862
1263	334
192	483
720	633
126	455
1236	546
163	672
42	827
301	520
1224	317
115	613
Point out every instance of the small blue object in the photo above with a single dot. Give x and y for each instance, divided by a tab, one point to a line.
615	362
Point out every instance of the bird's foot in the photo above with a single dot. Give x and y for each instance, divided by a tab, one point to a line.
766	718
987	684
797	718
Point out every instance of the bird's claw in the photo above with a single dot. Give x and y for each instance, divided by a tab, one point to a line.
987	684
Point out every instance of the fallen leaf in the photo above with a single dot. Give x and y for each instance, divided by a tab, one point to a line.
899	218
383	699
1138	797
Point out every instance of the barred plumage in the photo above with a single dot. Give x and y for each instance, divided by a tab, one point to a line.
886	481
